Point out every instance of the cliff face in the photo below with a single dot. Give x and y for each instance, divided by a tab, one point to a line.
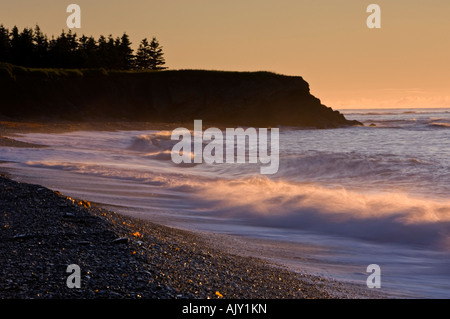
235	98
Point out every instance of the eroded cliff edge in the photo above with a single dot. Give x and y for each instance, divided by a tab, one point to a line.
235	98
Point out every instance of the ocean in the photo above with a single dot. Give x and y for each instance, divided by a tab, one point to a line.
341	200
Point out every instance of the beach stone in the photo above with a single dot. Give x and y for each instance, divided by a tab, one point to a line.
122	240
117	267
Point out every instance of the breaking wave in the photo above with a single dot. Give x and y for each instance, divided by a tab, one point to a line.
392	217
380	217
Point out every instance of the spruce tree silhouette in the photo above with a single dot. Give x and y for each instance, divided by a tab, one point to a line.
32	48
149	56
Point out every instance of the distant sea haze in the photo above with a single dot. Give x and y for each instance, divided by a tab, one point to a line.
361	195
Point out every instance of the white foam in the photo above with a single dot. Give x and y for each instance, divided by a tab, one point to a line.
343	188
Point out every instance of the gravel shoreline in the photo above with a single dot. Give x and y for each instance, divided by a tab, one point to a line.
43	231
121	257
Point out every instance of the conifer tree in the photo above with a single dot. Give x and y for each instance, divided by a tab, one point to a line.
5	45
125	53
157	56
32	48
149	56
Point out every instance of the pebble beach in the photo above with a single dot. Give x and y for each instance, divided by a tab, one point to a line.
43	231
122	257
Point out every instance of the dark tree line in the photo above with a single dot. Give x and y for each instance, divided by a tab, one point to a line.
32	48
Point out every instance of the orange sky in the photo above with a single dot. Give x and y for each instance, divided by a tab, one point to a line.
406	63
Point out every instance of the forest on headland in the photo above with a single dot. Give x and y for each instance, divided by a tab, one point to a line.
82	78
32	48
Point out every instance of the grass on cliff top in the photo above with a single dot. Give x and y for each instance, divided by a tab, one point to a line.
9	71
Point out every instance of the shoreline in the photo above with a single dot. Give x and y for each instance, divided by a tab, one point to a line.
44	231
212	263
10	128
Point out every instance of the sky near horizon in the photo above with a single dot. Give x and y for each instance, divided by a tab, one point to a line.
406	63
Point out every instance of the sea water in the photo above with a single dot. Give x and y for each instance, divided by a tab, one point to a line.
341	200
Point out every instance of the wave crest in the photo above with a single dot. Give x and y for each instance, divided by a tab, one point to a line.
375	216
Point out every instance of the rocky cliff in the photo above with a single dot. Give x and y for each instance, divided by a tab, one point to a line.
234	98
